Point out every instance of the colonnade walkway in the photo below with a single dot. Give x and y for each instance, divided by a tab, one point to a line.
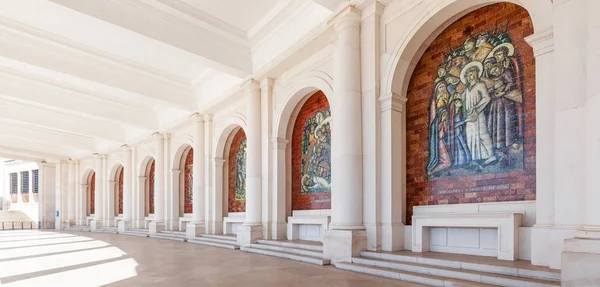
44	258
429	268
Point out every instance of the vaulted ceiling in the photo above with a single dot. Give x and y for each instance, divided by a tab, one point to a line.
85	76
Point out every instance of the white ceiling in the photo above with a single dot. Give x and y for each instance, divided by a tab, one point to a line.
82	76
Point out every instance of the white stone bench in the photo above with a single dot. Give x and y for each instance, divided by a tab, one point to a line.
231	222
307	218
147	220
89	219
117	219
184	220
507	223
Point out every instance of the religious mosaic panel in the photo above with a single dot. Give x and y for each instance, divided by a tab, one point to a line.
120	186
237	172
311	155
92	187
188	182
475	86
151	189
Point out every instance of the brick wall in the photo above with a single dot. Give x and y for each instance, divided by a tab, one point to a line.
151	189
92	193
489	183
120	211
187	179
322	200
235	205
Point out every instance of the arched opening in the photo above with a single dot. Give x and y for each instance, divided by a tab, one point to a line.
468	133
90	191
186	192
116	187
148	176
234	180
182	175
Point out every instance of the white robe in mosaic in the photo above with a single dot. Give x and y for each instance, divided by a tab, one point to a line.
476	98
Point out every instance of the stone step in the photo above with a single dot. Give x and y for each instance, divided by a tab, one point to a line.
455	273
178	233
429	280
136	232
292	244
222	237
217	240
220	244
300	251
471	266
111	230
78	228
167	236
302	258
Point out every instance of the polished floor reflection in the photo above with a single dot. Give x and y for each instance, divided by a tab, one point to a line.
43	258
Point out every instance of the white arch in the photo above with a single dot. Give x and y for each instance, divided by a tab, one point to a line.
430	23
312	82
229	125
178	183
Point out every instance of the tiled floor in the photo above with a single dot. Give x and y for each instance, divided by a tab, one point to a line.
33	258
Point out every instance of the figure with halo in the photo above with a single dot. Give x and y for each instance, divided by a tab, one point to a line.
475	100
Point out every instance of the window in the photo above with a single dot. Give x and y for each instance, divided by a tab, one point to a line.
24	182
35	174
13	183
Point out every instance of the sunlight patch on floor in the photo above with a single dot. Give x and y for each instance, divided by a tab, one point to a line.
58	240
49	249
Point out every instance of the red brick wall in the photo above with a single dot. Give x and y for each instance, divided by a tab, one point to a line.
151	189
92	193
322	200
120	186
187	178
421	189
235	205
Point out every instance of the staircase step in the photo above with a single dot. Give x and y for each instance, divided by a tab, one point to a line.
429	280
203	241
169	237
478	267
292	244
221	237
79	228
287	255
300	251
136	232
216	240
454	273
107	230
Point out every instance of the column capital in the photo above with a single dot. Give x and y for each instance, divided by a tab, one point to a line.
141	177
279	143
217	161
348	17
99	155
197	117
266	83
158	136
175	172
371	7
125	147
392	102
541	42
251	85
208	117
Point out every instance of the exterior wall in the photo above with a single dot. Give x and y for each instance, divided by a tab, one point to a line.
309	193
27	201
510	175
235	176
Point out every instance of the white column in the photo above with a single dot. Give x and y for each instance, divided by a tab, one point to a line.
158	222
370	38
581	255
71	195
98	193
47	196
251	230
140	202
125	223
217	194
279	179
196	227
208	172
266	101
347	235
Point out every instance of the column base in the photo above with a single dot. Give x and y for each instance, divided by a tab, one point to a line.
174	224
194	229
156	227
342	245
279	230
95	224
581	258
392	236
124	225
247	234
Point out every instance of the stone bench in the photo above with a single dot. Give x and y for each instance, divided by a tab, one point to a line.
230	222
507	223
308	218
117	219
184	220
147	221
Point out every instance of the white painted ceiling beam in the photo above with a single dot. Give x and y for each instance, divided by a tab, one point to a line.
29	155
29	45
51	150
58	121
45	136
180	26
32	90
